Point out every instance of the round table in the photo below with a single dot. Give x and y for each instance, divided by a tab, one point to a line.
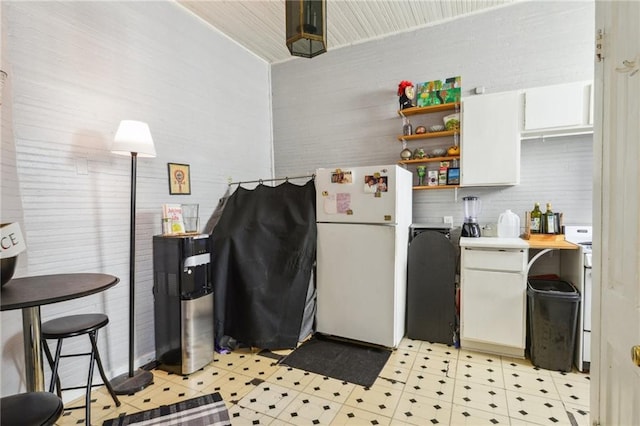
29	293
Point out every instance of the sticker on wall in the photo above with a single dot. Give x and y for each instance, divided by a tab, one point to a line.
341	176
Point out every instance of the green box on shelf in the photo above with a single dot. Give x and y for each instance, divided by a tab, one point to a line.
436	92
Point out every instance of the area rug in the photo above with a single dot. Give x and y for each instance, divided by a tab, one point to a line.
208	410
342	360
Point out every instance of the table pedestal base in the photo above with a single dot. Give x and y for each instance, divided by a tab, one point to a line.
34	369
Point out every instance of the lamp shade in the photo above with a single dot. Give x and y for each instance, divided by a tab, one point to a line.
306	26
133	136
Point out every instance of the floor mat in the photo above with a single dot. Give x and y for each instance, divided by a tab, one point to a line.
347	361
207	410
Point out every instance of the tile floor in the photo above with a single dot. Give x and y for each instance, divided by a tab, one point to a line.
421	384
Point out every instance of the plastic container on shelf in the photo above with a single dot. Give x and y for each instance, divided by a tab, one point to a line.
552	316
508	225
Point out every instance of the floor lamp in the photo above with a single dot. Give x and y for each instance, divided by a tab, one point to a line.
132	138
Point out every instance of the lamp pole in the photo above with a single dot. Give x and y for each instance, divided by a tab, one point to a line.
132	261
132	134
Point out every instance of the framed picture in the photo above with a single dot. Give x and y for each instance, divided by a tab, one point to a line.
179	179
453	176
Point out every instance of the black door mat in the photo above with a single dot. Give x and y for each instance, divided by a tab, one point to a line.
338	359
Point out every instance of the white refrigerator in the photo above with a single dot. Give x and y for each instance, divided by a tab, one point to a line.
363	216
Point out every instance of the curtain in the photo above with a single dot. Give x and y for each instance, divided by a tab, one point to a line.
263	250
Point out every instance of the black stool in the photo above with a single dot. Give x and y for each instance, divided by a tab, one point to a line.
30	409
71	326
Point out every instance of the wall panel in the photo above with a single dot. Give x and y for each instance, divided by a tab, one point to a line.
340	108
75	70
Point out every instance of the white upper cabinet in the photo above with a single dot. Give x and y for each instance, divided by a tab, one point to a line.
490	147
558	110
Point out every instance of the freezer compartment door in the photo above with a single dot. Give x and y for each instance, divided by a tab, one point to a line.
346	195
197	333
361	282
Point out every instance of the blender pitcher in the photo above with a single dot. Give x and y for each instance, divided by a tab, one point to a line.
470	227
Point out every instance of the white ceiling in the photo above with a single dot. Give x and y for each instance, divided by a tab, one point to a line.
258	25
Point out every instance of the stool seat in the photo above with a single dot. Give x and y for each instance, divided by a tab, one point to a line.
30	409
73	325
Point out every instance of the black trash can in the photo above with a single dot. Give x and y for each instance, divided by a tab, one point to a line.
552	316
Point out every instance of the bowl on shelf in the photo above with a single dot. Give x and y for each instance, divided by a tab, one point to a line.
436	128
438	152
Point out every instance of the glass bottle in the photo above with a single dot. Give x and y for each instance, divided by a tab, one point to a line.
407	128
549	221
536	220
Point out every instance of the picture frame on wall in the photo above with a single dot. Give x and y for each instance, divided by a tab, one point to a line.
179	179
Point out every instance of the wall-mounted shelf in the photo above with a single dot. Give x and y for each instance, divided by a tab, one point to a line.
442	108
429	135
436	187
429	160
429	109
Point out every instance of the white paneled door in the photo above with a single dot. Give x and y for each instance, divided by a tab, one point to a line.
616	377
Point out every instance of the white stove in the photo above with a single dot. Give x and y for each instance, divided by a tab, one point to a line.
582	236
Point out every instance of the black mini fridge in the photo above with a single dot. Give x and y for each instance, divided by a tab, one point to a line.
183	302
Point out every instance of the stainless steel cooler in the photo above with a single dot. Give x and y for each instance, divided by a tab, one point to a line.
183	302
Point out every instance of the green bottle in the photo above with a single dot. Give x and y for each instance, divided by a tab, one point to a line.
549	221
536	220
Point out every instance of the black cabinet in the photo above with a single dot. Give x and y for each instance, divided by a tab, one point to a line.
431	309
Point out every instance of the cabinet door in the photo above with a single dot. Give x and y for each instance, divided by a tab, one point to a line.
559	106
493	307
490	149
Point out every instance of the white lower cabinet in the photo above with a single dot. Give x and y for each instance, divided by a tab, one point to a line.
493	295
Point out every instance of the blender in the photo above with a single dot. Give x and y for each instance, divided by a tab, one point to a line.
470	227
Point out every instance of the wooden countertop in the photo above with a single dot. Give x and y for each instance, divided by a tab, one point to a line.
550	242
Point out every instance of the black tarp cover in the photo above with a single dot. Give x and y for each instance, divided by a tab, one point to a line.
264	248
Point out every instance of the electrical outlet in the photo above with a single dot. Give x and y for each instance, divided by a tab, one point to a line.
448	220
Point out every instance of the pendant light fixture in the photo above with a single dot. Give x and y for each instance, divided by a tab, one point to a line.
306	22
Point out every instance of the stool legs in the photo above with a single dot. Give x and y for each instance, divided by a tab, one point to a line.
54	366
94	356
107	383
